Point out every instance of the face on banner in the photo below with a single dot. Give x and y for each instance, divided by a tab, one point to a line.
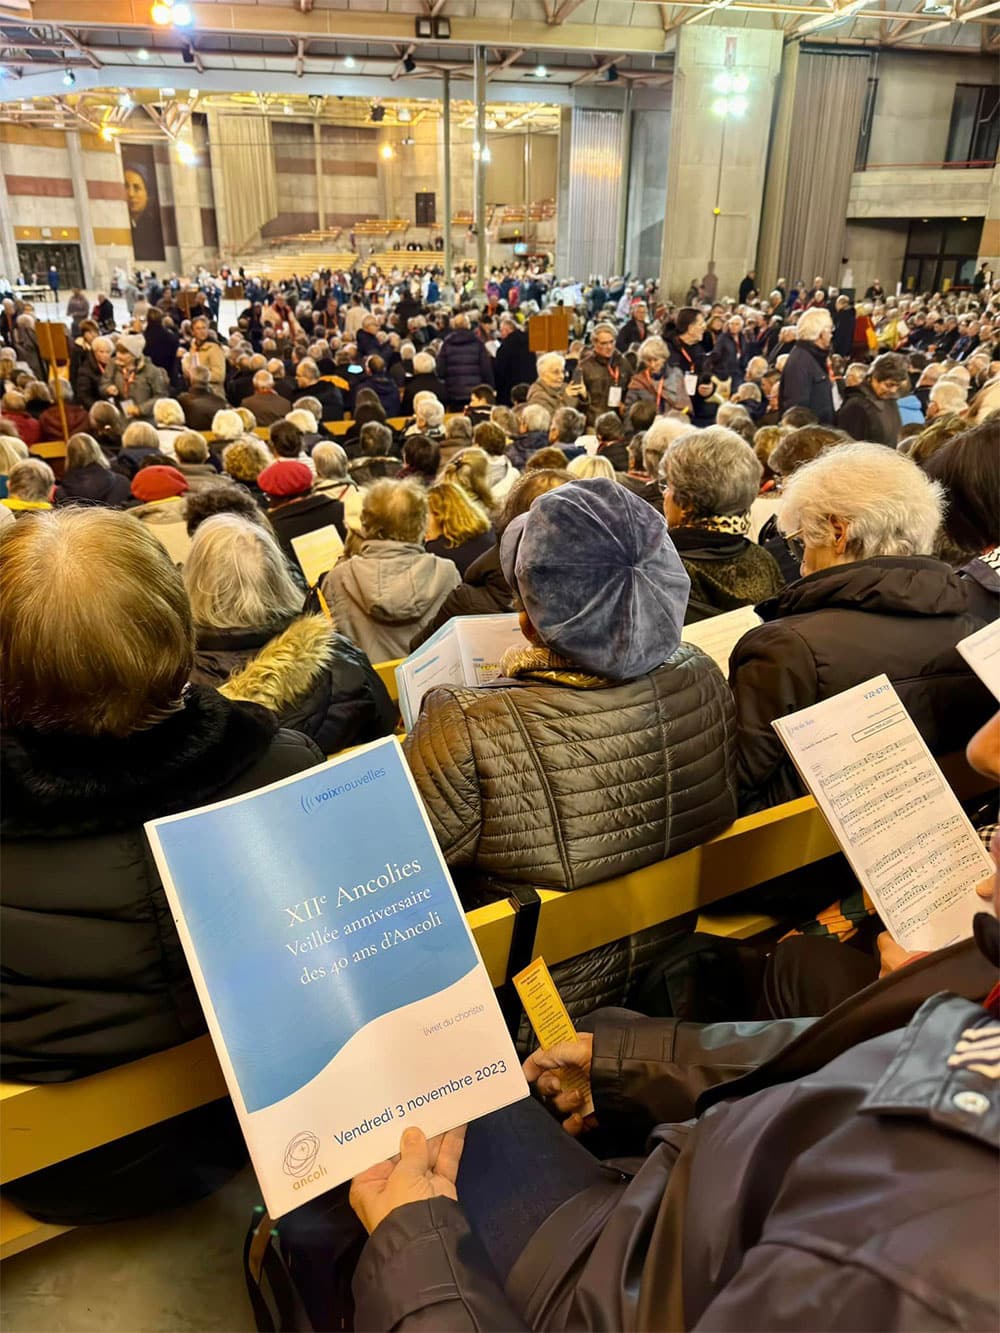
143	197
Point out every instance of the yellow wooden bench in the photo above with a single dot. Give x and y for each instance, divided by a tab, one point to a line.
43	1124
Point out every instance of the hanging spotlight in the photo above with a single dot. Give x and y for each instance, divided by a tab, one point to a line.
541	72
377	113
385	152
611	74
161	15
737	106
722	83
409	64
183	17
68	78
142	53
349	62
404	114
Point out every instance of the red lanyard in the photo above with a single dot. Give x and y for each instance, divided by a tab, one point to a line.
615	373
686	355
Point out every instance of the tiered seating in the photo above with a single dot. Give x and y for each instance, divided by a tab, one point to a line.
304	263
387	260
46	1124
380	226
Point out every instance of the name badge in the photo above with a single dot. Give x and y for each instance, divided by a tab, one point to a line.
691	385
614	395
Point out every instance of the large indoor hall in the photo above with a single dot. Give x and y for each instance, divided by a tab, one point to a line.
499	666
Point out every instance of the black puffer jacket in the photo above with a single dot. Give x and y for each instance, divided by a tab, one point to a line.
93	972
463	362
483	592
315	680
897	615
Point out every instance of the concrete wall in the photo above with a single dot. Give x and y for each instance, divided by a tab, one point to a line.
701	141
915	193
914	101
876	250
41	204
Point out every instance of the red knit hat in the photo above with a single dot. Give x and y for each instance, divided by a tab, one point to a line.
285	477
158	483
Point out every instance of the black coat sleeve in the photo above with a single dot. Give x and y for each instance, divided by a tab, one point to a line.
424	1269
772	672
651	1071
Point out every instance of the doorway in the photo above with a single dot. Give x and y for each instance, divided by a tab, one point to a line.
37	257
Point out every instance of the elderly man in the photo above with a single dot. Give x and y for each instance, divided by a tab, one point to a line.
200	403
309	385
463	362
266	405
728	358
515	361
947	396
805	380
204	351
636	329
603	372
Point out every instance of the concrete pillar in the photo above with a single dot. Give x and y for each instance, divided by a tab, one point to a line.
8	245
318	146
989	245
88	249
623	192
479	210
187	210
776	178
446	169
716	162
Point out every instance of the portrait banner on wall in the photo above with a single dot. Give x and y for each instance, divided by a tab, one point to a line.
143	195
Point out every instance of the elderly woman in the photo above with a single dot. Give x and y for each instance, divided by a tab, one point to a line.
131	380
424	379
384	595
227	425
710	479
652	383
603	672
872	600
471	469
805	379
255	643
550	390
12	451
194	463
244	460
421	460
458	529
26	344
29	486
590	465
88	478
94	972
15	410
168	419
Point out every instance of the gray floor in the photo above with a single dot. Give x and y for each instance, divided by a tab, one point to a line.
179	1271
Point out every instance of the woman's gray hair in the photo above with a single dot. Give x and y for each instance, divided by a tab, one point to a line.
887	503
431	413
424	364
82	450
191	447
459	428
12	450
812	323
711	471
550	359
394	511
237	577
653	349
536	417
331	461
168	412
140	435
227	424
31	479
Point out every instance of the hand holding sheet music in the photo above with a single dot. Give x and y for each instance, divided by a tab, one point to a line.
898	822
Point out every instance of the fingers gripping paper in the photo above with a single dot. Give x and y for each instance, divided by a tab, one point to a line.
551	1022
898	822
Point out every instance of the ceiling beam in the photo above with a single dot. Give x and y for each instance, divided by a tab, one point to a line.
404	55
509	59
79	47
589	75
562	11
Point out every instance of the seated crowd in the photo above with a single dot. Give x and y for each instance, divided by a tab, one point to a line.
662	473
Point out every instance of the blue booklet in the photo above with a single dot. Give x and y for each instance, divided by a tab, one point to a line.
340	981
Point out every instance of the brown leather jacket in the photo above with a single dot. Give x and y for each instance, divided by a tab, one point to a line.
845	1179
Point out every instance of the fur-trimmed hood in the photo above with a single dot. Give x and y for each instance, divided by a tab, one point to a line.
314	679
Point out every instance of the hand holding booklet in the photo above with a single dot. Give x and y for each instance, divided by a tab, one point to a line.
898	822
465	651
340	981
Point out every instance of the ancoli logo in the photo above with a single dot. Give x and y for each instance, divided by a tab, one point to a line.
300	1158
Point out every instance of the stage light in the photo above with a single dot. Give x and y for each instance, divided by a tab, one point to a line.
722	83
377	113
125	101
541	72
349	62
142	53
107	133
68	78
409	64
161	15
720	106
404	114
183	17
385	152
611	74
185	152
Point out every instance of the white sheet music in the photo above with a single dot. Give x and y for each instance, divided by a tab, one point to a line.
898	822
982	652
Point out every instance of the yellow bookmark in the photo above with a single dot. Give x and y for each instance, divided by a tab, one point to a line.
548	1016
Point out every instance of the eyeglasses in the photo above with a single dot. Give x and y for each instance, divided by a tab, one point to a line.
795	546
